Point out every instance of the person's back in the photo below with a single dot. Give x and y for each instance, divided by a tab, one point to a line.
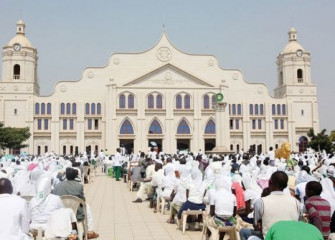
60	223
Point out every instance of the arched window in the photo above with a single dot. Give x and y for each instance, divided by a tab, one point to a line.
92	108
64	150
99	108
206	102
45	149
126	128
183	128
300	76
234	109
62	108
213	101
155	128
37	108
131	101
122	101
256	109
74	108
283	108
87	108
49	108
231	147
17	71
303	141
150	101
42	108
39	150
178	102
210	127
273	109
251	109
71	150
187	102
278	109
68	108
159	101
239	109
261	109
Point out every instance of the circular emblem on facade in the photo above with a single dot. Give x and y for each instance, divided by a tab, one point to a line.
168	76
90	74
211	62
63	88
301	90
260	90
235	76
116	61
16	88
164	54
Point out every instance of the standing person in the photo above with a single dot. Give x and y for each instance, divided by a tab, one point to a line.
117	164
318	209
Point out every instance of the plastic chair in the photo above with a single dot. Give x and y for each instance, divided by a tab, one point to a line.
74	202
187	213
27	198
215	231
110	172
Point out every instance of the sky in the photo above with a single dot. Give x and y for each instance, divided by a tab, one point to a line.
242	34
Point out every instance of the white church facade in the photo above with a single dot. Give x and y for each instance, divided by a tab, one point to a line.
162	95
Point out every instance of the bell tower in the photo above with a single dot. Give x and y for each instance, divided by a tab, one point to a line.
19	61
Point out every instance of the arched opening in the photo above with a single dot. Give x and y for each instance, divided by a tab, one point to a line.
178	102
210	127
300	76
93	108
68	108
159	101
155	127
131	101
87	109
150	101
74	109
303	141
64	150
99	108
38	150
126	128
122	101
281	79
45	149
49	108
206	102
37	108
183	128
17	71
187	102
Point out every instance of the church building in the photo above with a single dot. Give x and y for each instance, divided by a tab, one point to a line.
178	100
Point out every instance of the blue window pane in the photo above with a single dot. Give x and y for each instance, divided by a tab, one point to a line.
93	108
89	121
74	108
251	109
261	109
256	109
281	123
46	124
150	101
253	123
210	127
43	108
71	124
183	128
278	109
187	102
64	124
276	123
273	109
122	101
126	128
62	108
87	108
284	109
237	123
178	102
37	108
39	124
234	109
213	101
99	108
49	108
259	123
239	109
68	108
159	102
206	102
155	128
131	101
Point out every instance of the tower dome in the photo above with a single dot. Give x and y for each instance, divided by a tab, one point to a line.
20	37
292	45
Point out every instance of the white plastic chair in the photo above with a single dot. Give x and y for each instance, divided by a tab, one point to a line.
187	213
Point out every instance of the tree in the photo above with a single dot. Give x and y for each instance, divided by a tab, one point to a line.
319	142
13	138
332	139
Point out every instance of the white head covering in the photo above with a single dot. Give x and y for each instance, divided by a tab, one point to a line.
43	189
223	182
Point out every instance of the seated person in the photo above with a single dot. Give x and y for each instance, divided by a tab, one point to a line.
43	204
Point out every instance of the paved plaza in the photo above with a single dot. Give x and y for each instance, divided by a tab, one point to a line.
116	217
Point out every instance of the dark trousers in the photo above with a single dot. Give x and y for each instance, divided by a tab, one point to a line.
190	206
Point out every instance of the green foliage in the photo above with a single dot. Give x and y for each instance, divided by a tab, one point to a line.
320	141
13	138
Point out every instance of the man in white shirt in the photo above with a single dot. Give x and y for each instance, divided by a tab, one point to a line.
146	184
15	219
61	223
117	164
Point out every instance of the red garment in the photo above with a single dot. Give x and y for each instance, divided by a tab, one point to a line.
239	195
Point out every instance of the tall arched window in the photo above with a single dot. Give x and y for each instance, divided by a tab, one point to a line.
278	109
281	80
210	127
87	108
159	101
131	101
126	128
74	108
150	101
122	101
99	108
45	149
178	102
62	108
234	109
92	108
283	108
213	101
16	71
256	109
300	76
261	109
183	128
239	109
64	150
37	108
206	102
42	108
273	109
251	109
68	108
187	102
155	128
49	108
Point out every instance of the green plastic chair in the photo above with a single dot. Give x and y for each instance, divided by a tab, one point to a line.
110	172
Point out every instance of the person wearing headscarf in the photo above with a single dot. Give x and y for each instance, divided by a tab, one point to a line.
196	173
301	181
43	204
328	192
168	182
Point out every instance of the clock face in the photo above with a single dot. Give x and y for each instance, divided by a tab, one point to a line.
299	53
17	47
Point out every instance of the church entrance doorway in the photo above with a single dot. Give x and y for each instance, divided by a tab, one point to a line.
128	144
303	141
183	145
209	144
